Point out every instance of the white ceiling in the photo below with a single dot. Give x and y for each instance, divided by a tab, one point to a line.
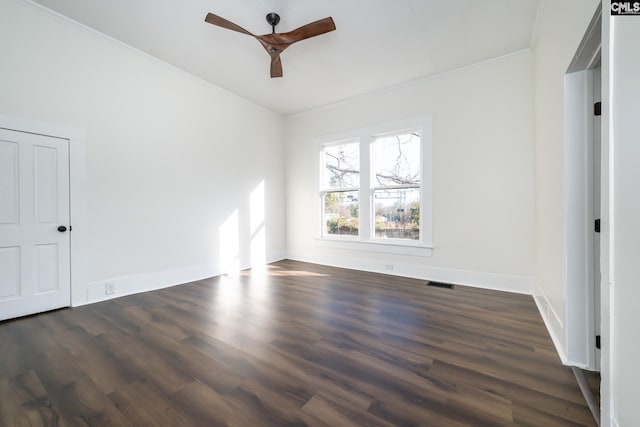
377	44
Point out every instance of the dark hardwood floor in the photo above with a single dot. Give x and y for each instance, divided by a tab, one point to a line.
299	344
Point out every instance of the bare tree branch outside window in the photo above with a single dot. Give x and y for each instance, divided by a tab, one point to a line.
397	159
396	162
342	162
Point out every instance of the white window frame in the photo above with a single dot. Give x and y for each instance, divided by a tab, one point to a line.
366	239
324	191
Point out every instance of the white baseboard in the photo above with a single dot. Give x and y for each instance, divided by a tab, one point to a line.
477	279
128	285
553	322
133	284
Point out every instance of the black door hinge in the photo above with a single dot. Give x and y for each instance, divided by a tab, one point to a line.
597	226
598	342
597	109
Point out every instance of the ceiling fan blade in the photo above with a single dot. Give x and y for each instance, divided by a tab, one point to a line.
221	22
313	29
276	66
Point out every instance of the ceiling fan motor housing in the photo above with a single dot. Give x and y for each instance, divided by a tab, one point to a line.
273	19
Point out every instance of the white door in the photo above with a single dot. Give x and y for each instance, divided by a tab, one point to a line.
34	224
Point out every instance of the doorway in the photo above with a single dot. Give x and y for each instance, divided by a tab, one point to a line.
583	164
51	265
582	193
597	201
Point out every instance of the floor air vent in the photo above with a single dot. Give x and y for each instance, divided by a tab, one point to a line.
440	285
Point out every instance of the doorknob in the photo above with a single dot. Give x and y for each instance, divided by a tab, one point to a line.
62	229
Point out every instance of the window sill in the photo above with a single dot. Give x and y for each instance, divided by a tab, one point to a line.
387	247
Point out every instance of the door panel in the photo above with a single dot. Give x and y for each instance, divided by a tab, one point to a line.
35	260
9	192
47	268
9	272
45	184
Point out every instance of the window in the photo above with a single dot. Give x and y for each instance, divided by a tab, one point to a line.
340	188
375	185
396	185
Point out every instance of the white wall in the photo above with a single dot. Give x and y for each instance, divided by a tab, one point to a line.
561	30
170	157
625	148
483	225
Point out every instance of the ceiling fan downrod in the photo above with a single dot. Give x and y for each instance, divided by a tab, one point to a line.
273	19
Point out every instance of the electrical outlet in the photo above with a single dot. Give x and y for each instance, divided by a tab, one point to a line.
388	267
109	288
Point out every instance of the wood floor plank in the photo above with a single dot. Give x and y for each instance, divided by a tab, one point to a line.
24	401
335	412
12	359
477	407
270	407
105	370
148	363
144	405
400	412
86	404
294	345
207	408
308	377
268	374
528	416
517	394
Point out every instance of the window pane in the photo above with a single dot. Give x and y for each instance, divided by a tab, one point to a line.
397	213
396	159
341	165
341	213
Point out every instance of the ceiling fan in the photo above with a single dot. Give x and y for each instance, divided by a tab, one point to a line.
275	43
